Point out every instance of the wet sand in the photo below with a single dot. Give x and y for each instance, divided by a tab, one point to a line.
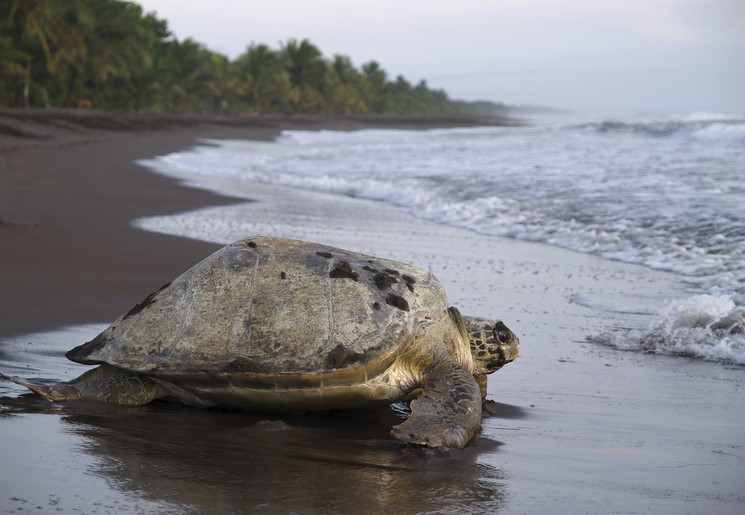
576	427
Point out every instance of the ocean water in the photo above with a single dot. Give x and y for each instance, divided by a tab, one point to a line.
666	192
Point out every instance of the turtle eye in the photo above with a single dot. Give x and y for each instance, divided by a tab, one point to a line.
503	337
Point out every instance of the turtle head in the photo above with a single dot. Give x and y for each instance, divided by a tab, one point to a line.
492	344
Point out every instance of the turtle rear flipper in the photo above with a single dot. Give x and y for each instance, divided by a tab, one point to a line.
448	413
104	383
49	392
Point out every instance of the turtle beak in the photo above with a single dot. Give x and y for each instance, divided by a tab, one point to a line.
506	354
512	350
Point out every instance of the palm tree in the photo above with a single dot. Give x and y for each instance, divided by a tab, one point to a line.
376	77
114	45
307	72
142	85
188	75
351	87
58	52
261	80
34	27
12	67
221	85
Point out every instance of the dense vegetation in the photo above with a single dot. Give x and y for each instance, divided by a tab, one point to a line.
110	54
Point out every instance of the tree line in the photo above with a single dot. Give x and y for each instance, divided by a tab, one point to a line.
111	54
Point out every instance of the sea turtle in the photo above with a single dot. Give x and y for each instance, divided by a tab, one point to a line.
268	323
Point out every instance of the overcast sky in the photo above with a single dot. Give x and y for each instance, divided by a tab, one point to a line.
596	56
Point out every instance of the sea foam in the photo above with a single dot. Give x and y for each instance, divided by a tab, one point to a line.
703	326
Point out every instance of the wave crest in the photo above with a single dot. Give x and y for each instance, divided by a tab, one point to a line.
704	326
709	126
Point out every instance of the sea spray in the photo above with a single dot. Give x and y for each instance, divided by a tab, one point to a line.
702	326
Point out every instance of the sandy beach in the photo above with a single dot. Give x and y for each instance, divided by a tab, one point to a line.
576	427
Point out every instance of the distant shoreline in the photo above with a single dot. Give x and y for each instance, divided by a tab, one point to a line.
21	127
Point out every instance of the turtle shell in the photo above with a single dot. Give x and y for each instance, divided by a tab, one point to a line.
269	307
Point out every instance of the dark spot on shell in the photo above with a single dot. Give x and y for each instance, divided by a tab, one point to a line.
343	270
282	275
397	302
327	255
152	350
376	305
150	299
410	281
370	269
384	281
341	357
391	271
251	244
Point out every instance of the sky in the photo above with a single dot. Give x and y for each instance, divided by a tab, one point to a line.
590	56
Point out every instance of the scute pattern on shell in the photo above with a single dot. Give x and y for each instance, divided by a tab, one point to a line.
272	306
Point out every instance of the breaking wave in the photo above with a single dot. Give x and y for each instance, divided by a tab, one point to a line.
702	326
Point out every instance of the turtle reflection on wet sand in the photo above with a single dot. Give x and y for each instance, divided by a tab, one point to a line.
277	324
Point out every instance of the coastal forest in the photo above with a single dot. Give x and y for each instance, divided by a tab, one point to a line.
110	54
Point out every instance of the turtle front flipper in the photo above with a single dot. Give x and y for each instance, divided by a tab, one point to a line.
448	413
104	383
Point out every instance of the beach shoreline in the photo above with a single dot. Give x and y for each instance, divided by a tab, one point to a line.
577	427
